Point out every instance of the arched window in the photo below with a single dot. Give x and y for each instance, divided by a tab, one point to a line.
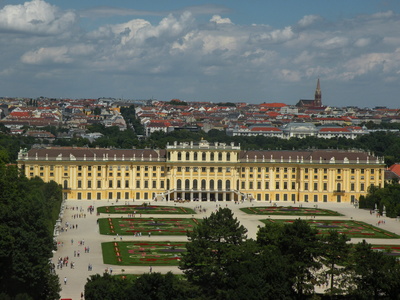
203	184
195	184
212	156
203	156
179	156
195	156
220	184
169	155
187	156
211	184
179	184
187	184
228	157
220	156
228	184
65	184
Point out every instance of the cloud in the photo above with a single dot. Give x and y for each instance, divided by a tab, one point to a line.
35	17
210	58
217	19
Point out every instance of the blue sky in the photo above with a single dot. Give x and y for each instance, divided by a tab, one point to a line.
249	51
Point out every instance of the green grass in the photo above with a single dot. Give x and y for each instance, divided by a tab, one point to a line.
154	226
289	211
143	253
353	229
144	209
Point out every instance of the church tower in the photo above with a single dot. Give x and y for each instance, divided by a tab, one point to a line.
318	96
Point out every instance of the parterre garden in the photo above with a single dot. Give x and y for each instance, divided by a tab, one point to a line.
353	229
143	253
289	211
145	226
144	209
393	250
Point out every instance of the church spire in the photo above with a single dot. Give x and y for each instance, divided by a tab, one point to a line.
318	96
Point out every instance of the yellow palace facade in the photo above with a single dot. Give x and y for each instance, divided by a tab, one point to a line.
205	171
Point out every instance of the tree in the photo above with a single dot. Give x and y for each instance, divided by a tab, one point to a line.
211	250
376	275
299	244
334	256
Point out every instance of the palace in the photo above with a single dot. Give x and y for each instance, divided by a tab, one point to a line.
206	171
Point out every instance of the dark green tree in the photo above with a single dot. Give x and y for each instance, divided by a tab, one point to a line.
213	244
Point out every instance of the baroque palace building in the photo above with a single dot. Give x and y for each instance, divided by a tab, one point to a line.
206	172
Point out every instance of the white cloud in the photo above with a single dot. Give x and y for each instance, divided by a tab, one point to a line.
309	20
35	17
210	57
217	19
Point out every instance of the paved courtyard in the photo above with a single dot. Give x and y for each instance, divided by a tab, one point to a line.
85	234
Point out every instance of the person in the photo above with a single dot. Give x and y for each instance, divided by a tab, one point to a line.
151	269
65	280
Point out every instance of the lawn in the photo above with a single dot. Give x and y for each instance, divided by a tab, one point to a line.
143	253
289	211
144	209
353	229
388	249
154	226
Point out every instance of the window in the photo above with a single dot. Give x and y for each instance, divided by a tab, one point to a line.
219	169
251	185
306	170
219	184
325	198
89	196
243	185
219	156
79	184
126	183
179	184
79	168
179	156
305	198
79	196
372	171
98	196
110	195
277	185
352	187
98	168
211	184
203	184
138	196
315	186
126	195
266	197
99	184
228	185
259	185
338	187
195	184
203	156
277	197
118	195
325	186
306	186
187	169
195	156
162	184
138	184
118	184
362	187
315	198
187	156
187	184
285	197
89	184
146	184
203	169
212	170
228	156
267	185
65	168
212	156
51	174
285	185
179	169
110	183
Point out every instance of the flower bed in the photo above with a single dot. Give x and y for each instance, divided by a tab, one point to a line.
353	229
289	210
144	209
140	253
144	226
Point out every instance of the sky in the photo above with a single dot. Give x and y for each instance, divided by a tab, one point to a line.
250	51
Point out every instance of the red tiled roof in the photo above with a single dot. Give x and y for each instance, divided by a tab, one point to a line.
265	129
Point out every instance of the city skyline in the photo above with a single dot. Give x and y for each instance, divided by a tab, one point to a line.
238	51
